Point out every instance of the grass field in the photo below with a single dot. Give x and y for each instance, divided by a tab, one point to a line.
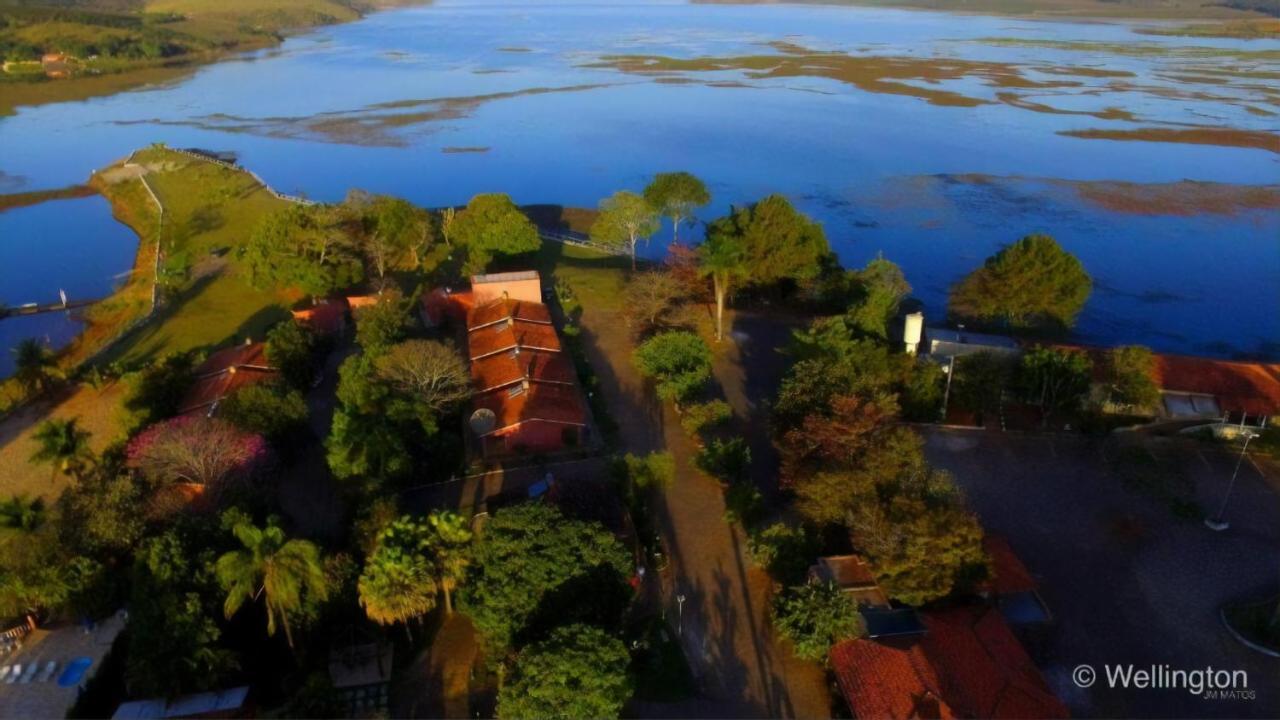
209	211
100	411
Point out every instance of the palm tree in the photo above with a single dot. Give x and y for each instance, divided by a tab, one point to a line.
274	568
23	514
396	586
64	445
34	365
723	258
451	551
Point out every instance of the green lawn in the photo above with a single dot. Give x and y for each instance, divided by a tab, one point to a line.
209	212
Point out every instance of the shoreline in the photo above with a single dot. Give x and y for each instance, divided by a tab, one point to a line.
15	94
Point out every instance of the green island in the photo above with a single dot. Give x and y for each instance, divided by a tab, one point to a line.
54	52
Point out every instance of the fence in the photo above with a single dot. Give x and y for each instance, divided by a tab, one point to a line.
582	242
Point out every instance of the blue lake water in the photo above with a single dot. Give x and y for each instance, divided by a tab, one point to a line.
530	91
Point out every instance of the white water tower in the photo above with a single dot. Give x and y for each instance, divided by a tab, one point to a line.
912	329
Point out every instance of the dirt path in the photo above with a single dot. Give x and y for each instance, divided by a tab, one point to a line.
437	685
742	671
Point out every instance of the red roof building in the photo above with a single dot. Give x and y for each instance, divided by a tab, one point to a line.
968	664
329	318
223	373
526	396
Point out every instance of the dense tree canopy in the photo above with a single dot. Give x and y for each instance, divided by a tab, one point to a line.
1055	380
492	226
291	349
397	584
625	218
300	247
880	288
676	195
578	672
1033	282
430	370
778	242
532	566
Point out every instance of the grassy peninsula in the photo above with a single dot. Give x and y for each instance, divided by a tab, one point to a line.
55	52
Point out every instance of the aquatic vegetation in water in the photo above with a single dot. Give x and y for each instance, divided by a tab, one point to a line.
1226	137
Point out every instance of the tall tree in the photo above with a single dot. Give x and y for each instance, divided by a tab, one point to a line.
1033	282
64	445
676	195
431	370
281	571
722	258
534	566
450	551
490	226
778	242
1130	376
578	672
34	365
301	247
209	452
398	584
881	289
625	218
1054	380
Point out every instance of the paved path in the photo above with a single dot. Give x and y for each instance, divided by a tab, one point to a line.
742	671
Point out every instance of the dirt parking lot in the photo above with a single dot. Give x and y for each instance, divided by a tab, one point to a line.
1127	580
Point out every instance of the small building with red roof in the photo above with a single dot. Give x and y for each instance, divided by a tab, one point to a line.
327	318
224	372
967	664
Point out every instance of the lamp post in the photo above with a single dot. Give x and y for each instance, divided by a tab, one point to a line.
951	372
680	604
1217	523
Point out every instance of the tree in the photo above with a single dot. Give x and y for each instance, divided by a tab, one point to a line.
981	380
1054	380
157	392
921	549
1130	376
533	567
785	551
280	571
447	216
265	409
578	672
209	452
21	513
839	437
357	446
34	366
64	445
1033	282
450	543
679	363
816	616
676	195
103	513
396	234
651	302
722	257
881	289
291	349
778	242
624	219
490	226
397	584
298	246
430	370
381	325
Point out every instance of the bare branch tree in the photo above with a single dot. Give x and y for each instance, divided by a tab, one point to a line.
432	371
199	450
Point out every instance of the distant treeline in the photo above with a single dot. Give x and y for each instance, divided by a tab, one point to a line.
1269	7
138	36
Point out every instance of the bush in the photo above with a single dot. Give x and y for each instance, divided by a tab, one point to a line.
785	551
269	410
291	349
726	460
814	617
657	469
743	504
704	416
679	362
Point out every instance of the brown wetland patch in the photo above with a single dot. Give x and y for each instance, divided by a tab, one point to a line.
457	150
1225	137
1181	198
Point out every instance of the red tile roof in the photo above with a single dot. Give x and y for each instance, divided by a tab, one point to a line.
1249	387
1008	574
541	401
888	680
505	368
326	319
967	664
503	309
225	372
504	336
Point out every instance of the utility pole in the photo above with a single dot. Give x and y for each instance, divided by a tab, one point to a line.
1217	523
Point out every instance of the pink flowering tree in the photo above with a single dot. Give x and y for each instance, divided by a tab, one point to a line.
202	451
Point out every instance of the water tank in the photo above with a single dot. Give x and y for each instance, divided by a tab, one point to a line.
482	421
912	330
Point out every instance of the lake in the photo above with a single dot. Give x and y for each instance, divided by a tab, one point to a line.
931	138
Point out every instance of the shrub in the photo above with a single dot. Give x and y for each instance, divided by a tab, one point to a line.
270	410
743	504
727	460
785	551
698	417
814	617
679	362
